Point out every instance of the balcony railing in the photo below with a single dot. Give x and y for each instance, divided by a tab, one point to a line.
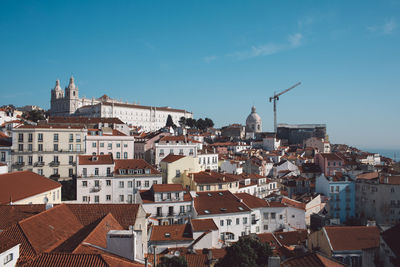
54	164
39	164
54	176
73	163
95	189
18	164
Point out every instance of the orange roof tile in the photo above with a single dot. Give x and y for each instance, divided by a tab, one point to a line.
173	232
353	237
16	186
202	225
218	202
167	188
252	201
133	164
172	158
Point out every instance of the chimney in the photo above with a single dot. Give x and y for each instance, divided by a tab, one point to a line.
122	243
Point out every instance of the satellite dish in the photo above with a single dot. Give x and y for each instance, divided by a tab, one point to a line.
45	200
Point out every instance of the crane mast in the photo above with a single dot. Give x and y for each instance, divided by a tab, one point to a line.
275	98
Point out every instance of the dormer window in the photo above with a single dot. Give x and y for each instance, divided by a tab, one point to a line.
206	211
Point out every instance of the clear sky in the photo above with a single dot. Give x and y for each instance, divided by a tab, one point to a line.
216	59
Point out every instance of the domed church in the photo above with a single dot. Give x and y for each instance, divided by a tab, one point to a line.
253	122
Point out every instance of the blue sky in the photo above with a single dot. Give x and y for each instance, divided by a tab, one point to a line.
216	59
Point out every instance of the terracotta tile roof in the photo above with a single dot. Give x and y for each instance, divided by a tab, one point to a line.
16	186
95	160
133	164
47	230
95	132
353	237
218	202
395	180
15	233
94	233
6	243
368	175
211	177
83	120
11	214
202	225
125	214
65	259
173	232
252	201
291	238
172	158
331	156
158	188
313	259
293	203
391	238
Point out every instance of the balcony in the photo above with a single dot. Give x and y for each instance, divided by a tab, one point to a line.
54	176
73	163
54	164
95	189
18	164
159	214
39	164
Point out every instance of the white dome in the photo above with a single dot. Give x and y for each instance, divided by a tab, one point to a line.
253	121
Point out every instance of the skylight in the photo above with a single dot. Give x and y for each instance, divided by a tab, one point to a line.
240	208
206	211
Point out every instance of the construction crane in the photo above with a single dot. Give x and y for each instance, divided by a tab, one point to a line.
276	96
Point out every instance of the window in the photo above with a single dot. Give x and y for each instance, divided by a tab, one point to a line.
171	151
265	226
273	215
129	198
55	137
96	183
30	160
161	152
94	144
266	215
40	147
20	147
168	195
8	258
70	172
176	195
237	221
84	172
78	147
71	159
178	173
78	138
101	144
40	171
138	183
40	137
30	137
20	159
201	187
3	156
109	145
220	186
96	199
108	197
125	155
70	147
118	155
129	184
121	198
84	199
280	216
146	183
121	184
154	181
221	222
96	171
228	222
84	183
180	151
182	209
55	147
21	137
71	138
29	147
208	187
337	188
244	220
108	182
125	145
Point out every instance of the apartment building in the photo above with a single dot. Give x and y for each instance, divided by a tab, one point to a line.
101	179
109	141
177	145
48	150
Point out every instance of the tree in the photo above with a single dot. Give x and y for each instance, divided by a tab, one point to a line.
173	262
248	251
201	124
209	123
191	122
182	122
34	115
170	122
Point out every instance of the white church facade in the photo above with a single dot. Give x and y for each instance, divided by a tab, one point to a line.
148	118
